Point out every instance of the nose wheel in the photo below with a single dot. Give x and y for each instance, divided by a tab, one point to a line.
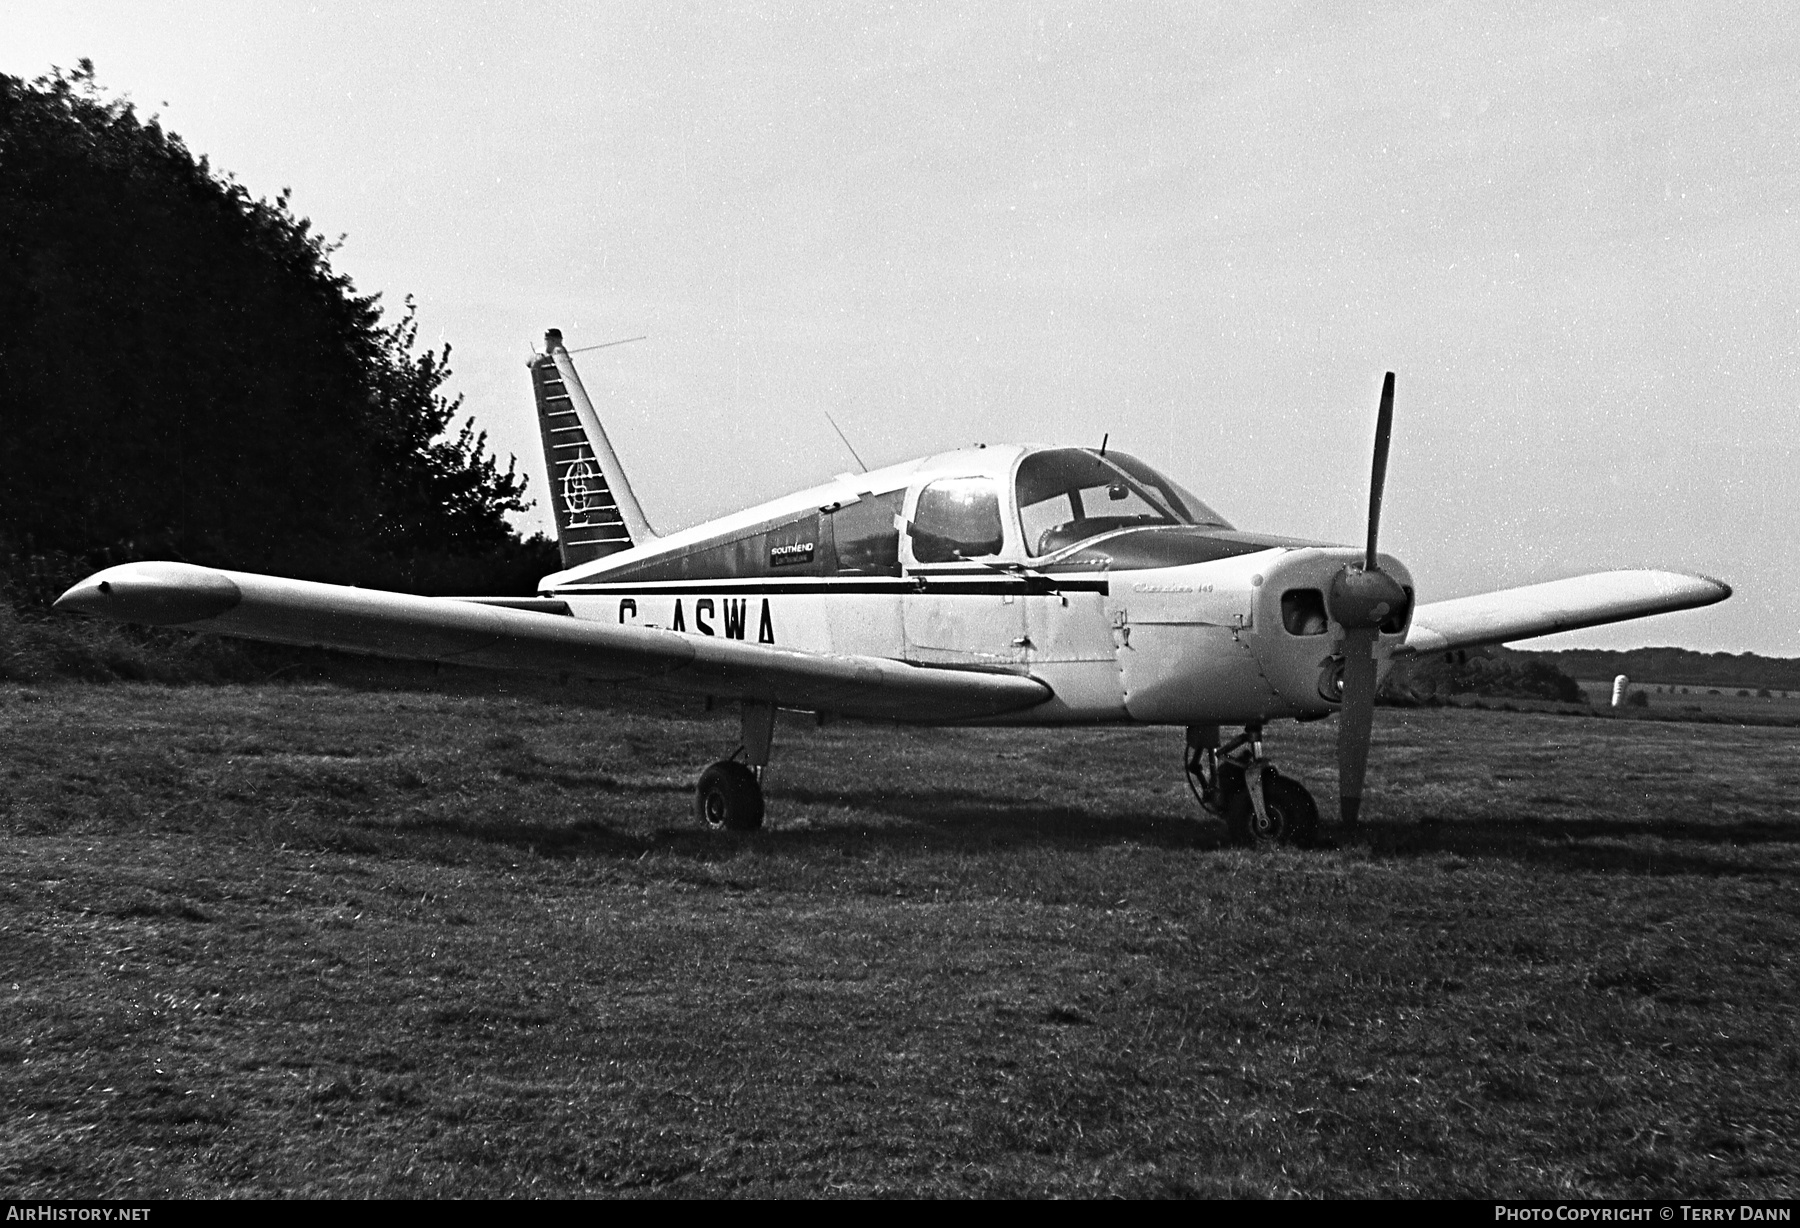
1288	815
1260	806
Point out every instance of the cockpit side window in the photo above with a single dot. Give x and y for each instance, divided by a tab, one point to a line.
956	518
1177	499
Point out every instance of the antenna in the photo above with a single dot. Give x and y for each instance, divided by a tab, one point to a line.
841	435
1103	439
605	345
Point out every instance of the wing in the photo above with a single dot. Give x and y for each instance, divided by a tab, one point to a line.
1561	605
540	637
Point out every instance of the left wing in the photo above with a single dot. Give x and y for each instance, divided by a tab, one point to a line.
543	637
1561	605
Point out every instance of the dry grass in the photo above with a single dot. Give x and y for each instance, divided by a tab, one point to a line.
321	941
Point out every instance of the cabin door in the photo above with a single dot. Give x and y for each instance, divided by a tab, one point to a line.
960	610
956	621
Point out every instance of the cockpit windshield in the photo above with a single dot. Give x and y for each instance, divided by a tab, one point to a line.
1067	495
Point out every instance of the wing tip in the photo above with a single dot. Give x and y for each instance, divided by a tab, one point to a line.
1722	586
162	594
1710	590
1715	590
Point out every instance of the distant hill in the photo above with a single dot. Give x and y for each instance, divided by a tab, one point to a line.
1509	673
1678	666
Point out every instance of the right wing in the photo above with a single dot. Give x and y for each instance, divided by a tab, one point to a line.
1561	605
538	638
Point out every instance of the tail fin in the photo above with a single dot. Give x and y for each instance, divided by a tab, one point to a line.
596	513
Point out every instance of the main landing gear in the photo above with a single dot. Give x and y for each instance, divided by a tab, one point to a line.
729	795
1235	782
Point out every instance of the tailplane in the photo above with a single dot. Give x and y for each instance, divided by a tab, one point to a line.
596	512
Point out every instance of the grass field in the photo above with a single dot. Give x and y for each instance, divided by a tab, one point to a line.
321	941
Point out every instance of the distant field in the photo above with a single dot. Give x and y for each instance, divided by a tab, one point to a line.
319	941
1710	702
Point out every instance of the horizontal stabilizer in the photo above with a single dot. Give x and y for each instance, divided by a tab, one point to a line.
495	636
1561	605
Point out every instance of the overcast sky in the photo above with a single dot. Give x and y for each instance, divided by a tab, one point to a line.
1206	230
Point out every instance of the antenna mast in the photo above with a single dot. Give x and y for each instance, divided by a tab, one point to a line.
840	435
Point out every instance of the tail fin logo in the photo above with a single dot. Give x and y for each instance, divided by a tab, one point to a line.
578	492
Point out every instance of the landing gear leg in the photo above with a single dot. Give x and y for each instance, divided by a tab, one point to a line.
1204	769
1238	783
729	794
1253	780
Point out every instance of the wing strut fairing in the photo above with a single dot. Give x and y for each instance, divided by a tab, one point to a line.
496	636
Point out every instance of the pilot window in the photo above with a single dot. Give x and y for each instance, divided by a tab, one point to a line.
1167	491
1113	501
1067	495
956	518
867	542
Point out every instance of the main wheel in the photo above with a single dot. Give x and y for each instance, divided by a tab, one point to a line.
729	796
1293	815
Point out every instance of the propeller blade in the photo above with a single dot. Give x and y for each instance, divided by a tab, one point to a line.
1384	428
1360	601
1356	720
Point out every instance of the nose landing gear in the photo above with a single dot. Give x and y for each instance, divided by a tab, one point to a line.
1235	782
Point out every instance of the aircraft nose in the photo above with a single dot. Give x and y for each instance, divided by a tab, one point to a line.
165	594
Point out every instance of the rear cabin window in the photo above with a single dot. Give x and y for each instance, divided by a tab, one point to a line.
867	542
957	518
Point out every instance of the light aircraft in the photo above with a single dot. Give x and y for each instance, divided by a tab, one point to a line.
994	585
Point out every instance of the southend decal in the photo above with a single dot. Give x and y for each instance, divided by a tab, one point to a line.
791	554
728	615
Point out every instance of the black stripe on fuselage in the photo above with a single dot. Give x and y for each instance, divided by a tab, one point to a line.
898	585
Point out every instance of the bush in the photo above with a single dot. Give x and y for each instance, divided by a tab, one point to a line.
1495	673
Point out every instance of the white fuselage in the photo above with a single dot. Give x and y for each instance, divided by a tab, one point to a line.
1193	644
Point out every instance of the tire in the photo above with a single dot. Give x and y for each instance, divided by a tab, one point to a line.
729	798
1293	815
1231	784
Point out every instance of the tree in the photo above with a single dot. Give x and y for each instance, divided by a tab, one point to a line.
183	373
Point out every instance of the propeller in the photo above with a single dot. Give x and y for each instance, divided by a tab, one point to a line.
1360	600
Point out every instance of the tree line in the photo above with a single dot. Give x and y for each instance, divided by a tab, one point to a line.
184	375
1681	667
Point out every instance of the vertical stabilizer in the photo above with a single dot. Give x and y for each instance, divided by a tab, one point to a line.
596	513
